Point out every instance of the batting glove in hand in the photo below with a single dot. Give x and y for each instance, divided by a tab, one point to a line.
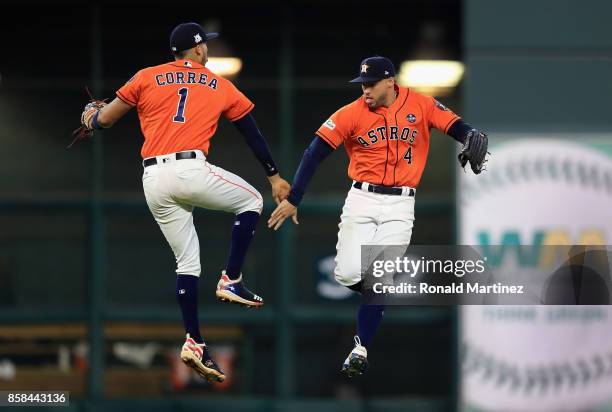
474	151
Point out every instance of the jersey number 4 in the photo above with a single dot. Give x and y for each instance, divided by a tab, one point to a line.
180	110
408	156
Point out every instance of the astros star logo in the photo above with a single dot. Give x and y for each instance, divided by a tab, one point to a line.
197	38
364	68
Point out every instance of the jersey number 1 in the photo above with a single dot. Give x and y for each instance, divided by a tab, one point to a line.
179	118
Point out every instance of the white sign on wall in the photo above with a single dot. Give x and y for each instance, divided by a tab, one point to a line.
538	191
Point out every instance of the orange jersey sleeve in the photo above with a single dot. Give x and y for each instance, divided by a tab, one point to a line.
237	105
337	128
440	116
130	91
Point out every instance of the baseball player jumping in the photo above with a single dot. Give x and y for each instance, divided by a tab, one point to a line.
386	135
179	104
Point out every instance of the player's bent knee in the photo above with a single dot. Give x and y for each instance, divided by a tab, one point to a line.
348	270
259	204
254	205
347	278
189	268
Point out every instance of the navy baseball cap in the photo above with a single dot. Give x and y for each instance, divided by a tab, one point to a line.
188	35
374	69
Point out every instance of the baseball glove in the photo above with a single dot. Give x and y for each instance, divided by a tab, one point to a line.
86	130
474	151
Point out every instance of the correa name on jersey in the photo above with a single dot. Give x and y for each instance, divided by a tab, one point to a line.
380	134
168	78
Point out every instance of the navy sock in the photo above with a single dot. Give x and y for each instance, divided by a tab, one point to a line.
242	234
368	319
187	294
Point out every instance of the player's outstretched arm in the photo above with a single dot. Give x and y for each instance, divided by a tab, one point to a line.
313	155
258	144
96	115
109	114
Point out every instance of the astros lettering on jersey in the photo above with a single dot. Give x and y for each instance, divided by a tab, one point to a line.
167	94
388	145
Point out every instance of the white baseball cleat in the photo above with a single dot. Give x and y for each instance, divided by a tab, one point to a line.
356	362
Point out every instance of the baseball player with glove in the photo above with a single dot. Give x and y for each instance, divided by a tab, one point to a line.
179	104
386	135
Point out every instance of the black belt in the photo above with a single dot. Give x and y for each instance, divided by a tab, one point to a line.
383	190
179	156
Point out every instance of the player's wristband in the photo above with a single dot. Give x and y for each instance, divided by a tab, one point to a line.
94	122
294	199
459	129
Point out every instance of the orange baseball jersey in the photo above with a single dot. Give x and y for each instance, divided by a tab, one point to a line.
179	105
389	145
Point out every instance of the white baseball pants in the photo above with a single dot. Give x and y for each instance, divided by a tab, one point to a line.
173	188
370	219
